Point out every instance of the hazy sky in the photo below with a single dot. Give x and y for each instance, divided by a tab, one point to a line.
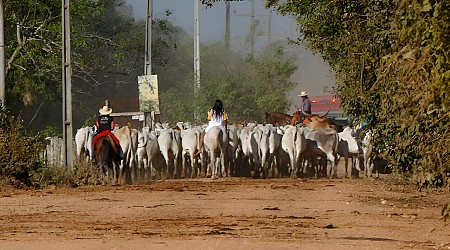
313	74
212	20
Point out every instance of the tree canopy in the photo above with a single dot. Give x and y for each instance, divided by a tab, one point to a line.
107	46
391	59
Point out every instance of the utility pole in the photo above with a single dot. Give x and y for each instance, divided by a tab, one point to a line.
67	87
196	54
148	39
270	27
227	37
253	27
2	58
149	116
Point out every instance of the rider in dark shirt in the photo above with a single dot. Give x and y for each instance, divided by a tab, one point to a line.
306	102
106	122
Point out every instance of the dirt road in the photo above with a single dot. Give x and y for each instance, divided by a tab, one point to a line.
229	213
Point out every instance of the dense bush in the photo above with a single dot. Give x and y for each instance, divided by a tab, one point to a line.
391	59
82	175
19	151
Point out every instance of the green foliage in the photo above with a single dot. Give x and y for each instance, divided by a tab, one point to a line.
414	80
391	59
251	88
82	175
49	131
19	151
32	38
107	55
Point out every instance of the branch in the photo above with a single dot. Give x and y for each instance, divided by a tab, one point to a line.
37	111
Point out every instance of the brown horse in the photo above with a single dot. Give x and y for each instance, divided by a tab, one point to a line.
297	118
107	155
278	118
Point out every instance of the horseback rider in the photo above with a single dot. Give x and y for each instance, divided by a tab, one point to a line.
217	117
105	121
103	127
306	102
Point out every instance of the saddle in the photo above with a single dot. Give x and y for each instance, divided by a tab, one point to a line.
110	137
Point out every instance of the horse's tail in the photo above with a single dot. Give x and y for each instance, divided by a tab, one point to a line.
106	149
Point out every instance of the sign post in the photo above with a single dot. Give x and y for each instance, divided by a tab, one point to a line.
149	99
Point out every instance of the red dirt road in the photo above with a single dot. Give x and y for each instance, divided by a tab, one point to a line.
229	213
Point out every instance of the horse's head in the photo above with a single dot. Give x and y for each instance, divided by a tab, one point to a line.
296	118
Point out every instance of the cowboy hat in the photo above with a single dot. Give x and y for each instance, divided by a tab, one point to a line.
105	110
303	93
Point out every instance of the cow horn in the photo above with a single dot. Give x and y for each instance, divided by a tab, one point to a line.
326	113
306	114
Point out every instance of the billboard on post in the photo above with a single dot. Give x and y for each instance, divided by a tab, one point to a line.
148	93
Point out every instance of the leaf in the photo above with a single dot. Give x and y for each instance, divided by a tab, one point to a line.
409	54
436	12
426	6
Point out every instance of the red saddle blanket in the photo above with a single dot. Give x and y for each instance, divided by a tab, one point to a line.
106	133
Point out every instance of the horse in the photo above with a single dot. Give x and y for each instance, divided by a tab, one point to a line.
297	118
107	155
278	118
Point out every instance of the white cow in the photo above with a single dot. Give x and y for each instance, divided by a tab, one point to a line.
133	157
322	143
83	141
232	149
348	147
367	148
293	143
255	142
147	154
123	134
266	147
274	150
169	142
189	145
249	147
176	149
215	143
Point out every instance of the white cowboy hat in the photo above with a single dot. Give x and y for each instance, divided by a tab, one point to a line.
303	93
105	110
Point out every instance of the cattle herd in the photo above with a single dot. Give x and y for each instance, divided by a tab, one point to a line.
243	150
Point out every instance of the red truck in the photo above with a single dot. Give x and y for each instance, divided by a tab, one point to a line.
320	105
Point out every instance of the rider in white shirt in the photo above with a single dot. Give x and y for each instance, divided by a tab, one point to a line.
217	117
